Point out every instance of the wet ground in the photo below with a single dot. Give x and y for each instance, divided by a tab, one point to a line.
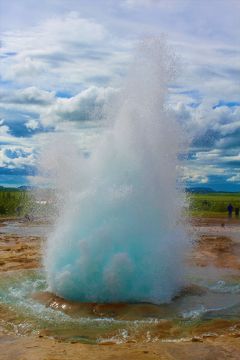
202	322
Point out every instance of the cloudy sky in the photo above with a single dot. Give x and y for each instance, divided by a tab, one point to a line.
62	60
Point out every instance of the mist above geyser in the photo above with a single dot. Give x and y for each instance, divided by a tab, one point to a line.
118	237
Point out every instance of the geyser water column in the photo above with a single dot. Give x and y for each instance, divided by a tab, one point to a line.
118	237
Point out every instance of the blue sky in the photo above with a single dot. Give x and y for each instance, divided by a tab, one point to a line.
61	61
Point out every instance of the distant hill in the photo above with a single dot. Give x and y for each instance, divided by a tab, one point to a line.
200	190
26	187
4	188
20	188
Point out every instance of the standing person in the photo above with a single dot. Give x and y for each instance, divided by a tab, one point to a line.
237	212
230	210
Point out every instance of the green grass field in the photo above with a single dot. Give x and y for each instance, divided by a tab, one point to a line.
21	202
212	204
14	202
17	202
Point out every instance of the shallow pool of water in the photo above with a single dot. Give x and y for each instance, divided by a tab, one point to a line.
212	299
25	228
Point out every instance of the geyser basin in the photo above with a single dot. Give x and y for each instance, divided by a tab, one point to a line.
118	237
209	306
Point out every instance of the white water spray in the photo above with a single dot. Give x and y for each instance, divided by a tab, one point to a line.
118	237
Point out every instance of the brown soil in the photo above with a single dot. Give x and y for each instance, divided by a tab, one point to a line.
32	348
18	253
220	251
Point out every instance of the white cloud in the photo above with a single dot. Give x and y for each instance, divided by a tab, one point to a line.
70	51
50	109
73	28
6	137
20	157
202	171
32	124
4	129
25	69
194	176
173	5
27	96
69	29
61	51
216	126
87	105
235	178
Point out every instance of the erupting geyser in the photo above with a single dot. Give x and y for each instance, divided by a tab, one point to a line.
118	237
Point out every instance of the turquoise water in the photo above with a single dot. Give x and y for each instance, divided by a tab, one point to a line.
217	298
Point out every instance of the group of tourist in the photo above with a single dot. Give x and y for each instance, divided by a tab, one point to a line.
230	209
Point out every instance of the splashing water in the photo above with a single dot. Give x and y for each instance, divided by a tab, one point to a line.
118	237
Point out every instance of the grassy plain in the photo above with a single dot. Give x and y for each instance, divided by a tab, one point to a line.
15	202
22	202
212	204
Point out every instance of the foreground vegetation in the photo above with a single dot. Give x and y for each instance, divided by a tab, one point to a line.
18	202
15	202
24	203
